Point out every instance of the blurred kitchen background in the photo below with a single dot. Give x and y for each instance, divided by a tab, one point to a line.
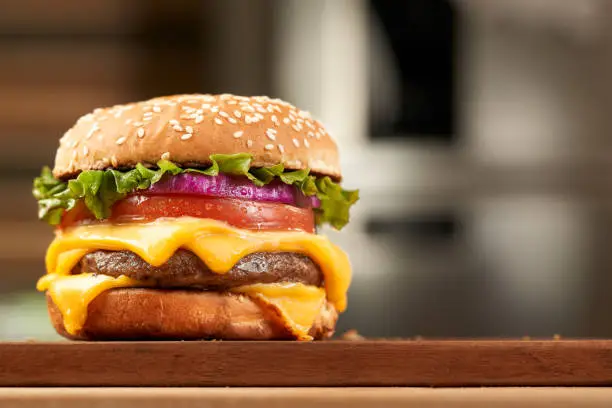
479	133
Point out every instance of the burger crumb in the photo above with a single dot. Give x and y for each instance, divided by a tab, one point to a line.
557	337
352	335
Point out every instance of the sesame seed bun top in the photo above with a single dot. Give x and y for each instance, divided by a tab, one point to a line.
186	129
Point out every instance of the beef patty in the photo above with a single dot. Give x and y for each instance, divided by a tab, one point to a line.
185	270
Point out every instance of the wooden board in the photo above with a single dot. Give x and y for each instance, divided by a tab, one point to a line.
334	363
306	397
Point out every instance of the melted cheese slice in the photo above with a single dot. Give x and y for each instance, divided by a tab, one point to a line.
219	245
72	294
297	304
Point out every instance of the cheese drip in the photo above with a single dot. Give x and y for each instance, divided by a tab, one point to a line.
297	303
72	294
217	244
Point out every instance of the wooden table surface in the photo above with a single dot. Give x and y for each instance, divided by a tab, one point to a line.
306	397
444	363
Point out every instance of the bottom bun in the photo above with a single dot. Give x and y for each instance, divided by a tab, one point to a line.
185	315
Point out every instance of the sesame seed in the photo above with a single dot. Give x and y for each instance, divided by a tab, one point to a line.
224	114
199	119
156	109
318	135
237	113
306	143
259	116
232	120
178	128
218	121
121	140
188	129
173	122
281	148
166	156
187	136
270	108
140	132
269	147
136	124
149	113
232	102
309	124
93	130
295	127
271	133
214	109
310	134
296	142
114	161
249	143
248	108
286	121
205	106
275	120
238	134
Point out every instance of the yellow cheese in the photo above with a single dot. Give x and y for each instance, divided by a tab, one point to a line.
73	293
298	304
219	245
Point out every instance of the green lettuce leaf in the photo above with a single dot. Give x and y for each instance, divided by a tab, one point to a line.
100	189
335	202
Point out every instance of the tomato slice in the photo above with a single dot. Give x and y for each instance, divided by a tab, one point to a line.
253	215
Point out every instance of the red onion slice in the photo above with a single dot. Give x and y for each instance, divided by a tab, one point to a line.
235	187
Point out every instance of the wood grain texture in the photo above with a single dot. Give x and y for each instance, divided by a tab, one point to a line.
334	363
306	397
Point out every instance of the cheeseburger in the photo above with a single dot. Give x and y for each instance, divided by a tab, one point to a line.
193	217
